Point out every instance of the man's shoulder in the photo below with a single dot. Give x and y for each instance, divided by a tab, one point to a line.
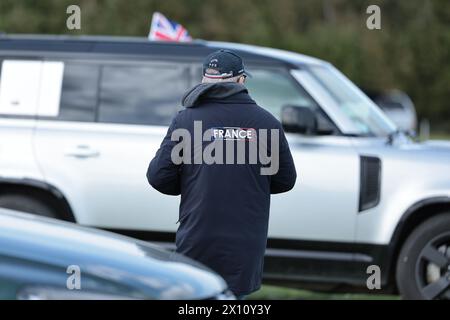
266	116
206	109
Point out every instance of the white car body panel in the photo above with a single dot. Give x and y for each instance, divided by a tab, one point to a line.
108	189
411	173
92	184
322	163
17	157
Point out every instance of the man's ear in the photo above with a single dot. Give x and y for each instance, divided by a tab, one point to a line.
241	80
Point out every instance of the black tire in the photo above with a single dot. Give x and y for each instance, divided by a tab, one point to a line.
26	204
423	266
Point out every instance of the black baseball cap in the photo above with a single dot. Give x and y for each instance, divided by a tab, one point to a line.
223	64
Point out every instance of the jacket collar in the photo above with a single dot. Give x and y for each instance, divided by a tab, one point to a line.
223	92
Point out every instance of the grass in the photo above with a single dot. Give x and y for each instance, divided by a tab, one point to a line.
440	136
279	293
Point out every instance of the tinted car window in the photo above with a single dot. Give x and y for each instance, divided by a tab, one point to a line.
146	95
272	89
390	105
79	92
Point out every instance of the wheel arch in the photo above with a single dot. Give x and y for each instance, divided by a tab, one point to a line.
412	218
42	191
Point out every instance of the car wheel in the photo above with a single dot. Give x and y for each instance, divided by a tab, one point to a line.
26	204
423	266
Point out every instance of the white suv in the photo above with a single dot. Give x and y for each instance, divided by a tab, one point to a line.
80	119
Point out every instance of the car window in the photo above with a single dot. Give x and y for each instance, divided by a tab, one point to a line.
145	95
390	105
366	117
273	89
79	92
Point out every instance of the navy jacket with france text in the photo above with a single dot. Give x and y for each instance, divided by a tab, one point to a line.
224	208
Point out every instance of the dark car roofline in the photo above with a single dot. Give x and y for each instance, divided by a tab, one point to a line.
120	46
91	38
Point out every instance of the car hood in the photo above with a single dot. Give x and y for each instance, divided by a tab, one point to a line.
432	150
443	145
108	263
414	170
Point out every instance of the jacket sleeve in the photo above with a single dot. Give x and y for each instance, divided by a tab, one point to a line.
284	179
162	173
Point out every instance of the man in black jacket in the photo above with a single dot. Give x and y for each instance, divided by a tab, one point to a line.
225	155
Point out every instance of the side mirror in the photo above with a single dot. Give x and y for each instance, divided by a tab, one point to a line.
299	120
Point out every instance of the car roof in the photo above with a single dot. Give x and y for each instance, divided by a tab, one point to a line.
51	242
285	55
16	222
140	45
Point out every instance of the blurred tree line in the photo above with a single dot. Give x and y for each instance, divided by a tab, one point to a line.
411	52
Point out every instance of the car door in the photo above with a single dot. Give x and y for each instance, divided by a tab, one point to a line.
20	80
324	202
113	115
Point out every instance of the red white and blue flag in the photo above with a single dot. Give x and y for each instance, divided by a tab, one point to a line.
163	29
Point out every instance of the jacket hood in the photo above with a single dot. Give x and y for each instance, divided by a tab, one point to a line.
220	90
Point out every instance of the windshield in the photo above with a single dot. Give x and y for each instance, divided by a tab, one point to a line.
367	118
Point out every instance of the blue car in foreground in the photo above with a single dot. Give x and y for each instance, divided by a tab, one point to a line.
43	258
